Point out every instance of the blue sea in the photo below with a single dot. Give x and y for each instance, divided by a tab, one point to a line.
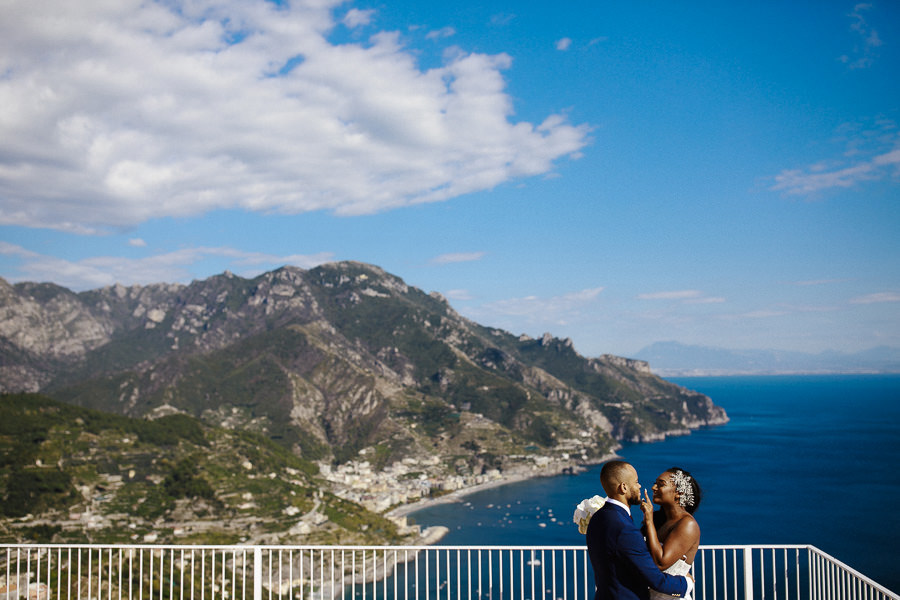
803	460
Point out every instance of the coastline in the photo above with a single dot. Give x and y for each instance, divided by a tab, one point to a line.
404	510
457	495
434	534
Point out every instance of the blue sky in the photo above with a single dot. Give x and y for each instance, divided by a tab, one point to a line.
724	174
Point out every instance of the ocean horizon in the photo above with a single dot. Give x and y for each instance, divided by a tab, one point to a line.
804	459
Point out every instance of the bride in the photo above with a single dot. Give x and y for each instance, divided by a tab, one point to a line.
672	533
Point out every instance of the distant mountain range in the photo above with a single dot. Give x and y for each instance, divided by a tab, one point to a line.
668	359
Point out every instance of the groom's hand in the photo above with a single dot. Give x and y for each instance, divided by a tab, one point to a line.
691	584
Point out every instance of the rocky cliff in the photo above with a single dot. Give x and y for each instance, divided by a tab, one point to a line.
330	362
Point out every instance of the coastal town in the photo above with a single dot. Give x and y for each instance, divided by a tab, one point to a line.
411	480
411	484
395	492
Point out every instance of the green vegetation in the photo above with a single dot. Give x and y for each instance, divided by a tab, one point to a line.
540	431
36	490
125	350
565	364
42	534
185	482
348	516
60	463
169	430
27	419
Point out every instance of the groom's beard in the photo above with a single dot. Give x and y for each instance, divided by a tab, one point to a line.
635	498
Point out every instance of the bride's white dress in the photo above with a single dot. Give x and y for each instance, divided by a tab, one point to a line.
679	568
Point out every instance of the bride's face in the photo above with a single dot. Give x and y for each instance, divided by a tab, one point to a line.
664	490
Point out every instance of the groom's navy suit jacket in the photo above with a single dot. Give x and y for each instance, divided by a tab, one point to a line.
623	567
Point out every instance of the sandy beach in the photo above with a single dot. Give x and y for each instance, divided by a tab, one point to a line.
457	495
523	475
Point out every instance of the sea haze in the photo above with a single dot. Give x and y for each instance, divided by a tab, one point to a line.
804	459
672	359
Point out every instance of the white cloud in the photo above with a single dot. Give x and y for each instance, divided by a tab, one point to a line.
798	182
683	297
137	243
437	34
536	310
674	295
355	17
763	314
119	112
877	156
7	249
876	298
813	282
888	159
705	300
564	44
456	257
170	267
866	38
458	295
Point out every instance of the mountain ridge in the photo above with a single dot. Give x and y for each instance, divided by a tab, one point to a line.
386	387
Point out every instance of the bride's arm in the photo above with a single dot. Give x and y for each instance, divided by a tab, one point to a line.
653	545
678	543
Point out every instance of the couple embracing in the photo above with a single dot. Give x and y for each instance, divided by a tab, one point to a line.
625	564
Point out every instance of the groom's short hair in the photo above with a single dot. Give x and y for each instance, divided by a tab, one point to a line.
612	474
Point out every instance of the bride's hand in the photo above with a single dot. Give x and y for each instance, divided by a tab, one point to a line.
647	507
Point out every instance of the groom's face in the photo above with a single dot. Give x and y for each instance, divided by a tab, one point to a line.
633	493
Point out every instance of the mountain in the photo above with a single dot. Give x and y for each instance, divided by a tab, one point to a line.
379	383
73	475
672	359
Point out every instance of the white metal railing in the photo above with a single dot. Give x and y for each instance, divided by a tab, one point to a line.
144	572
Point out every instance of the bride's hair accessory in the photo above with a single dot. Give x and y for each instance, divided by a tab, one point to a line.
684	486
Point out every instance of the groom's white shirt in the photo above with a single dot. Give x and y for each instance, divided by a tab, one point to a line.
690	582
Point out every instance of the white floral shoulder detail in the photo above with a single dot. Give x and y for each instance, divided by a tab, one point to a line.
584	510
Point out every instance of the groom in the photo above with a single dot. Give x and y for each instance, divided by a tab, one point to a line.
623	567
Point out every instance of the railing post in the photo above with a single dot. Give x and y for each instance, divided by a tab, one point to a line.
748	573
257	573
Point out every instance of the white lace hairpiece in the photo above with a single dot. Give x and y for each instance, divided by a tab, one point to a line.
683	487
